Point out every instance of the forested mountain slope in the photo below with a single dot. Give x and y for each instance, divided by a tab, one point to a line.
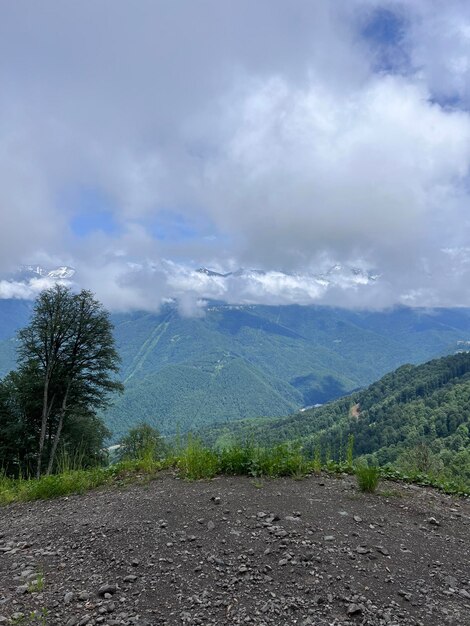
414	405
234	362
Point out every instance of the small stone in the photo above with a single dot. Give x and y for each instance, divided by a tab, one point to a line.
464	593
22	589
354	609
25	573
210	525
329	538
131	578
104	589
357	519
68	597
405	595
433	521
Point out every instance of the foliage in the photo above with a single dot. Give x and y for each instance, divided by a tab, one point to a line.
416	418
48	406
367	477
196	461
142	442
240	362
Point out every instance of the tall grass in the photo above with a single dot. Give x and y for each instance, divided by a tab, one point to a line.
197	461
193	460
368	477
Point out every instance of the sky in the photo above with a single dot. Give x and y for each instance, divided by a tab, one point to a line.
142	140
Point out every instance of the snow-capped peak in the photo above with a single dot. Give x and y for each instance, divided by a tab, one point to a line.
61	272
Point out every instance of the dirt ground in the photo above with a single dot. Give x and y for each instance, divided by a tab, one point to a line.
238	551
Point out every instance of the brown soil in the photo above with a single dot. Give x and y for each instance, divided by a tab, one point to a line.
311	552
355	411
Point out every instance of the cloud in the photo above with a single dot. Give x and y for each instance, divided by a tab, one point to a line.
281	136
27	289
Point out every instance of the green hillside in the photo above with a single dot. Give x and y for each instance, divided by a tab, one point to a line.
427	404
235	362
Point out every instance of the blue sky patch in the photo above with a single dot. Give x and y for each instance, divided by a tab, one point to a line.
385	32
93	211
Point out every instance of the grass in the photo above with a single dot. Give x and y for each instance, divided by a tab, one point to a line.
193	460
367	477
37	585
38	618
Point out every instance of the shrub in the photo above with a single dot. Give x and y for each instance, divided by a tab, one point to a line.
197	461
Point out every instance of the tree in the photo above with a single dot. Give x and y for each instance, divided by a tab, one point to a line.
67	351
142	441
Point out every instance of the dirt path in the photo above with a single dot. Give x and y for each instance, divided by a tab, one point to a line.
238	551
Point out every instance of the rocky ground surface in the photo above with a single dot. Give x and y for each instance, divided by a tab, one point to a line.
238	551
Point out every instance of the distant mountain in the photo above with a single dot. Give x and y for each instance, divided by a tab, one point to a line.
27	272
237	362
335	275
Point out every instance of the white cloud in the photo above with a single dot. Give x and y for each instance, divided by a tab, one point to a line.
266	126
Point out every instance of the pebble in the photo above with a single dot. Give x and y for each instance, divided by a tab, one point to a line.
108	588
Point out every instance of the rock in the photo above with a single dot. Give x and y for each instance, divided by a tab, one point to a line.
405	594
3	619
27	572
22	589
107	588
329	538
68	597
354	609
131	578
357	519
464	593
433	521
210	525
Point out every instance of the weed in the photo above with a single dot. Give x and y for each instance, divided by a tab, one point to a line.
390	493
350	451
37	618
197	461
37	585
367	477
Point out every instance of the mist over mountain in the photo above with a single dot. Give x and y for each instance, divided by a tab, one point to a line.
191	288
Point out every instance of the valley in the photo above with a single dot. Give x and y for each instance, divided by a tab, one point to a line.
238	362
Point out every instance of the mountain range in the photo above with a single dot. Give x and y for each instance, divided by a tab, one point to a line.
235	362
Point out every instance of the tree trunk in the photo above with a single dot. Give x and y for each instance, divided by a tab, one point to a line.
44	418
63	408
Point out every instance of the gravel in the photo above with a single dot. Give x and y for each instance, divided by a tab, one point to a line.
237	551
